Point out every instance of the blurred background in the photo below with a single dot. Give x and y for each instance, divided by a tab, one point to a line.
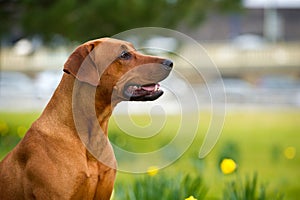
255	44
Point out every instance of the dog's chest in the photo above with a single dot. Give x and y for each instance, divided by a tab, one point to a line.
96	178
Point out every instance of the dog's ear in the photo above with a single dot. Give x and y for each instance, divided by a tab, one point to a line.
81	64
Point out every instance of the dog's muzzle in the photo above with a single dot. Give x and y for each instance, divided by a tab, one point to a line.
149	91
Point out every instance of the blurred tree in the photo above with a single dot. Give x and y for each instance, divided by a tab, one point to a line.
85	19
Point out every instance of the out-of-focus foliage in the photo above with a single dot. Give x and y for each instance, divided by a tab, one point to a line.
81	20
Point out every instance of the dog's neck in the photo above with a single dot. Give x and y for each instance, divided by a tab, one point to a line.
78	105
72	108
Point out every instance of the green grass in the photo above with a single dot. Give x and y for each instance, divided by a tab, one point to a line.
256	140
13	126
248	189
261	139
161	186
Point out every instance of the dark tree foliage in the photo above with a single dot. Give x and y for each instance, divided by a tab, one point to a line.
85	19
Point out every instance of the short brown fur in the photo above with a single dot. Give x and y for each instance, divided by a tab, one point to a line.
51	161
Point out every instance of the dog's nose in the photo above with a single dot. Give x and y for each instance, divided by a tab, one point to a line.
168	64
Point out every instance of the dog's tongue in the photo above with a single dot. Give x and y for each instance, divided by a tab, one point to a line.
150	87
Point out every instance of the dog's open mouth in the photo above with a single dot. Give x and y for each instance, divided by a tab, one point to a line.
147	92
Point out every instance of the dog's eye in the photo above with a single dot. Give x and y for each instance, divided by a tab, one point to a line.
125	55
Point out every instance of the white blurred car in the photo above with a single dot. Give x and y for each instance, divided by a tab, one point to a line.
15	84
46	82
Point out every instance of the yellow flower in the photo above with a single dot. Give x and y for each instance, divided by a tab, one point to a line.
228	166
190	198
152	171
21	131
3	128
290	152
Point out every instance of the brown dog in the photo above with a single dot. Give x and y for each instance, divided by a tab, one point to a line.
66	154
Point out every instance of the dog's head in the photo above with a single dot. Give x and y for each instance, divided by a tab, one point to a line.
116	68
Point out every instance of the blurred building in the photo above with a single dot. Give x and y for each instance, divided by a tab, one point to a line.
273	20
